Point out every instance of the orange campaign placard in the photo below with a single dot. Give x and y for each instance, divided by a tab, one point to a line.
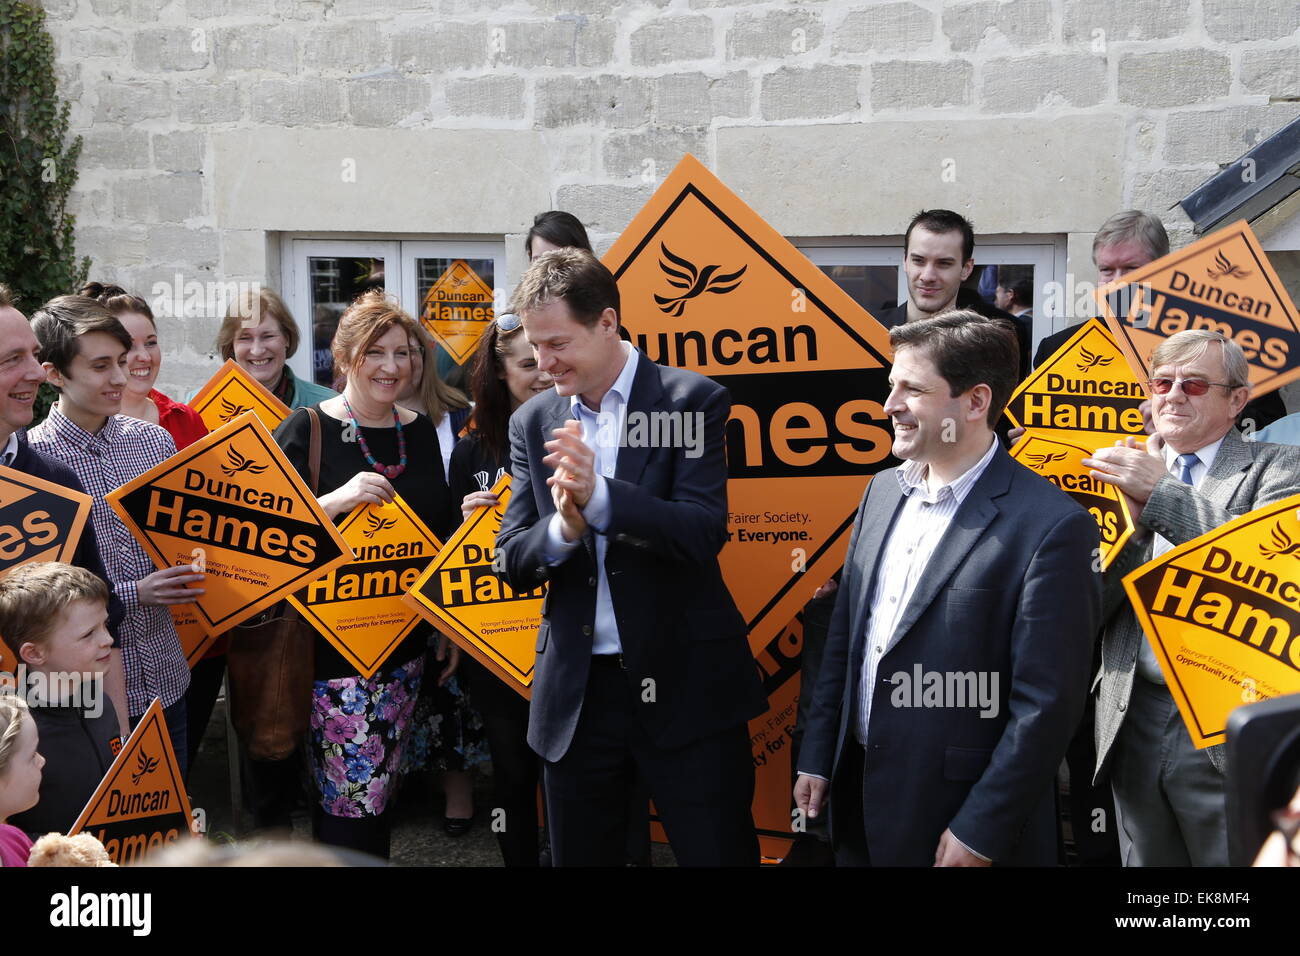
458	309
195	640
461	596
1061	464
1222	613
39	521
1085	394
707	285
233	504
1224	283
141	805
359	608
230	393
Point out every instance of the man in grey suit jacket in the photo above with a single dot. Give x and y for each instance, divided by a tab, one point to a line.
1194	475
956	665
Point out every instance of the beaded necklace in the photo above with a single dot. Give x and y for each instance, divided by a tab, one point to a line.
388	471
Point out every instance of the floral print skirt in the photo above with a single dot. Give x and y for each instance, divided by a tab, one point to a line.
359	731
446	731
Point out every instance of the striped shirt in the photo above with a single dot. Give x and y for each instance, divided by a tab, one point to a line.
920	526
123	449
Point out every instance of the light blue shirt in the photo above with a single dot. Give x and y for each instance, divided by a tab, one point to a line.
1284	431
601	432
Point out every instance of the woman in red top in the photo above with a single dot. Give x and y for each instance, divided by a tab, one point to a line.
141	400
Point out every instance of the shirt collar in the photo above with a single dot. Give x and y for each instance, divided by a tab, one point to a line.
11	448
1206	454
912	477
69	431
622	386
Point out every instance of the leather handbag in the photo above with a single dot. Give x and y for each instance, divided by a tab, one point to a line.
271	662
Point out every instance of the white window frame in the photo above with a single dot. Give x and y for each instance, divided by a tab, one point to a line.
1045	253
399	255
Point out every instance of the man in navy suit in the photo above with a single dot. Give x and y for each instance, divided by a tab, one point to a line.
957	661
619	503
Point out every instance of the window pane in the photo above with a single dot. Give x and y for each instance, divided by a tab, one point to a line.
456	306
335	282
875	288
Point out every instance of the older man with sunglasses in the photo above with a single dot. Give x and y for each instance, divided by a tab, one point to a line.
1195	474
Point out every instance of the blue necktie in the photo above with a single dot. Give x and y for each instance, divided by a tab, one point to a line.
1187	461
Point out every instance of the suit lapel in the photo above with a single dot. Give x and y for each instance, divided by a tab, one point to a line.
647	395
968	525
1227	470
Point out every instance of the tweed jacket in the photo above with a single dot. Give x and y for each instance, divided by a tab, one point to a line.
1243	476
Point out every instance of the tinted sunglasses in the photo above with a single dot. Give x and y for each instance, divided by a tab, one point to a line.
1191	386
508	322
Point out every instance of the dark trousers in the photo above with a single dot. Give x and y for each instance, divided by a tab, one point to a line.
271	789
200	699
702	791
176	730
1096	839
850	825
516	770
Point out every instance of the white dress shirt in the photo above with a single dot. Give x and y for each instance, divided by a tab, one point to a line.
921	524
602	431
1147	666
11	450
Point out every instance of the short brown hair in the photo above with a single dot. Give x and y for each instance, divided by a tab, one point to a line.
967	349
33	595
7	296
574	275
60	323
117	300
369	316
249	306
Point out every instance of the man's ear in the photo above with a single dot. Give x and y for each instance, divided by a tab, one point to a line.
52	374
32	654
609	319
978	400
967	268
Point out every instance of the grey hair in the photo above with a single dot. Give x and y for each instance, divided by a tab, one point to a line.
1190	344
1130	225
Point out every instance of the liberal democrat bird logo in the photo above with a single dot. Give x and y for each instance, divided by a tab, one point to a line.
1225	270
1042	461
144	764
230	410
1091	360
694	280
1283	545
239	463
376	524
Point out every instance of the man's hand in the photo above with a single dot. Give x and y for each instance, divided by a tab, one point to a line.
169	586
573	525
952	853
1148	424
574	463
810	795
1131	469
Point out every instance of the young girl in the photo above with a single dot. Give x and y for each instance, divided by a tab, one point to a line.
20	776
